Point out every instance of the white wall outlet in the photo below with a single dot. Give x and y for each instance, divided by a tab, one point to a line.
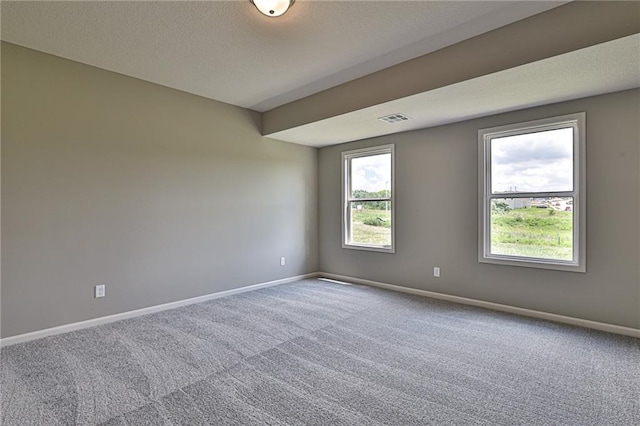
283	261
436	271
99	291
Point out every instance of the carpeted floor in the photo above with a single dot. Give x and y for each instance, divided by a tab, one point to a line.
320	353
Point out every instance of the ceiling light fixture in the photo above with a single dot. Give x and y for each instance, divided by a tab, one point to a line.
272	8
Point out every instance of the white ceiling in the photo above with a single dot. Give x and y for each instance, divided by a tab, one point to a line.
227	51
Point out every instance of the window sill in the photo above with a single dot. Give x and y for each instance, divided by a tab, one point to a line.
380	249
534	263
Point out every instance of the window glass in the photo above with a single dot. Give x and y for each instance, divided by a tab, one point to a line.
533	162
368	219
532	227
371	175
532	194
371	222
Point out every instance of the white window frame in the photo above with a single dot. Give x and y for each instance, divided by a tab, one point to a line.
347	156
485	136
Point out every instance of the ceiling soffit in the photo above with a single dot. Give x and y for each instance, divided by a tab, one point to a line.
558	31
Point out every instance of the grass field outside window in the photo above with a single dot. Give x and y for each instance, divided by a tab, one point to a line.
543	233
371	226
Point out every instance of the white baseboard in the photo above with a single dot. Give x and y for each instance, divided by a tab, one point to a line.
7	341
611	328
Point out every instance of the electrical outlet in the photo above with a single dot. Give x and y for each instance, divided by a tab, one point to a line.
99	291
436	271
282	261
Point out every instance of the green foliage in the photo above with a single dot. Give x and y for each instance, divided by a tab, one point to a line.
499	207
538	221
375	205
376	221
361	193
372	222
372	226
372	217
533	232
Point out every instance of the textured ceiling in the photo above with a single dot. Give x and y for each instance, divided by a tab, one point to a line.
226	50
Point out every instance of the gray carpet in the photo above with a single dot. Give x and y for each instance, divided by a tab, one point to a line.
318	353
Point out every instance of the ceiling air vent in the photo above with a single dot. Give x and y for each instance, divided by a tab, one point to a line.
394	118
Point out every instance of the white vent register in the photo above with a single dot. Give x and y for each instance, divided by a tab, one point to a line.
394	118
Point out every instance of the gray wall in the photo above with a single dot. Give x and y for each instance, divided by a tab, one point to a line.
162	196
436	217
158	194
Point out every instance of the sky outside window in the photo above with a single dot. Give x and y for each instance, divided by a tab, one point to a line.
371	173
533	162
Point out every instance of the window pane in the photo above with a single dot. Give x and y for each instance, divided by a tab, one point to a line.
533	162
532	227
371	222
371	176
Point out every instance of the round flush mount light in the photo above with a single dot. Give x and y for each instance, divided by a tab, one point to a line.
272	8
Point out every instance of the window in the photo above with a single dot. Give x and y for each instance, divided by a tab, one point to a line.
532	194
368	194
